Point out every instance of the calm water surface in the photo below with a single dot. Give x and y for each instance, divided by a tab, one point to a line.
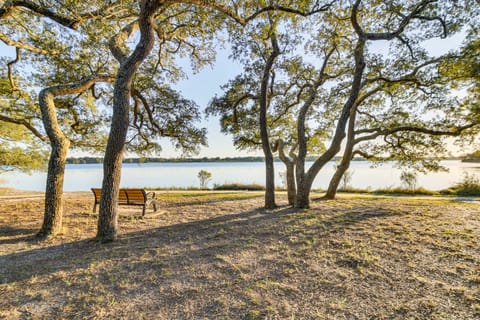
82	177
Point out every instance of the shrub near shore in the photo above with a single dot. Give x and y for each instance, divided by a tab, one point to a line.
469	186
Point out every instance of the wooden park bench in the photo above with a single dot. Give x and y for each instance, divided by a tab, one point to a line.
130	197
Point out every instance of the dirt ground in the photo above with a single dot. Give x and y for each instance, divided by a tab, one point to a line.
211	255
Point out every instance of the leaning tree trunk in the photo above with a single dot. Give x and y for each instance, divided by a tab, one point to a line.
303	189
112	166
305	184
347	154
53	211
269	167
52	221
336	178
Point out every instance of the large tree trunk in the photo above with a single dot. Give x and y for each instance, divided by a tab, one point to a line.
112	166
53	211
269	167
336	178
291	186
347	155
52	221
302	179
305	184
269	182
302	199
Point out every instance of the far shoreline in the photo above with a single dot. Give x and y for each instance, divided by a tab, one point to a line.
99	160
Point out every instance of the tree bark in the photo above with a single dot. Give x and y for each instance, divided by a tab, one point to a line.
291	187
303	188
112	165
305	184
269	166
307	180
346	159
52	221
301	198
53	211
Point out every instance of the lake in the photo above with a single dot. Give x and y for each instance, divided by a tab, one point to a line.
82	177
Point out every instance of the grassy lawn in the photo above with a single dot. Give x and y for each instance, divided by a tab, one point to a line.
219	256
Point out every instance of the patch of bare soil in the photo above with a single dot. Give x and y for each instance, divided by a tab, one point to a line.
220	256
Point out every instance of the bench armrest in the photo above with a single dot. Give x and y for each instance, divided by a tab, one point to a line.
151	194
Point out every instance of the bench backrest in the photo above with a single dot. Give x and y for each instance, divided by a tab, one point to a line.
132	196
97	193
125	195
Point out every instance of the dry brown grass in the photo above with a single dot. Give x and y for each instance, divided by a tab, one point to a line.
209	255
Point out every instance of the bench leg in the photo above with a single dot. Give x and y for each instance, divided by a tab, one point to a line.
94	207
154	206
144	208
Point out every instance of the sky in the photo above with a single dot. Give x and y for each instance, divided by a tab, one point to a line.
200	87
203	86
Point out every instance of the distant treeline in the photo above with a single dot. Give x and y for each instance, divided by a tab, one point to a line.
472	157
85	160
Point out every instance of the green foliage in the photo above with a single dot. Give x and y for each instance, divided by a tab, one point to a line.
409	179
204	177
402	191
239	186
473	157
23	159
62	56
19	149
393	191
162	112
189	32
469	186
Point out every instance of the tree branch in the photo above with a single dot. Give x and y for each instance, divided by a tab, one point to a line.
456	131
77	87
13	43
69	22
8	7
9	66
414	14
116	43
26	124
244	20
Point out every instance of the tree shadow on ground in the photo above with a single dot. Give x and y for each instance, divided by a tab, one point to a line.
202	238
177	204
15	235
7	231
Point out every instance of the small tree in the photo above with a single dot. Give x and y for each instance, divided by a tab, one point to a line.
283	178
204	177
469	186
347	179
409	180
